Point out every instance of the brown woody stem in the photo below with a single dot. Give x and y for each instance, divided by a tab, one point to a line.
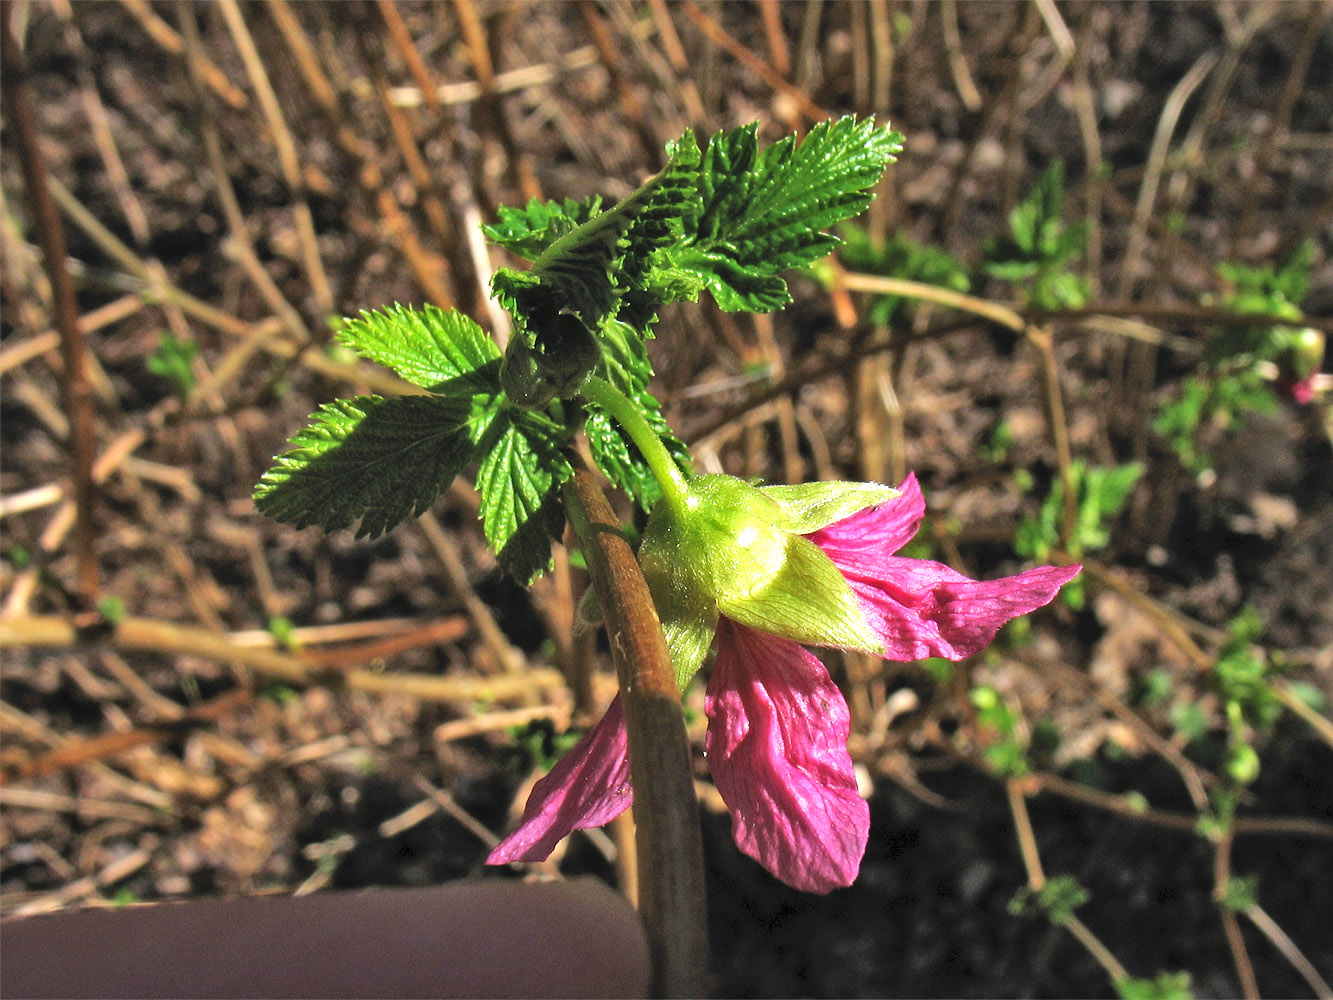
19	115
666	812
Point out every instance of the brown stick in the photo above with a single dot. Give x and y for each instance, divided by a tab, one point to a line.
77	390
665	808
168	638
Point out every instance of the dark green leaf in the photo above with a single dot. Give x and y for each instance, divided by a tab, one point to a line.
380	460
584	268
519	479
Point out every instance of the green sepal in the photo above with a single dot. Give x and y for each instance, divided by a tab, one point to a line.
688	614
811	506
733	546
807	601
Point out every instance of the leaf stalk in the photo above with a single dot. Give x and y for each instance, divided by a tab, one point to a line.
675	489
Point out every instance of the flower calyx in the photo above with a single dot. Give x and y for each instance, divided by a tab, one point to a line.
729	548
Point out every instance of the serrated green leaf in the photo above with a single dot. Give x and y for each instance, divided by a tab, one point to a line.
380	460
587	267
764	211
443	351
519	479
527	232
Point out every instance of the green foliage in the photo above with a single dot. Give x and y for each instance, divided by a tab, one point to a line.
1276	290
527	232
445	352
1242	674
1100	494
1163	986
728	218
1241	893
174	360
940	669
279	694
1038	251
542	743
1058	899
112	609
1005	752
898	257
380	460
521	472
1220	400
1230	384
998	444
762	211
283	632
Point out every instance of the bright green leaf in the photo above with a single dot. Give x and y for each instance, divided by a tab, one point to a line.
521	472
445	352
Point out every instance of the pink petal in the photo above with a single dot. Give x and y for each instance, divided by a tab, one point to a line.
777	746
921	608
869	536
589	787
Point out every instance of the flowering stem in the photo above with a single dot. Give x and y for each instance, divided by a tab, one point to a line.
666	812
663	467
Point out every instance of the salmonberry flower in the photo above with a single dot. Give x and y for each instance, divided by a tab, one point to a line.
758	573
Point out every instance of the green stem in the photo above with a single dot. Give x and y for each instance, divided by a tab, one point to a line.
675	488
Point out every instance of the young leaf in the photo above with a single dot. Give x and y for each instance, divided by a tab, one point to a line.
445	352
527	232
174	360
1038	248
521	472
585	268
763	212
381	460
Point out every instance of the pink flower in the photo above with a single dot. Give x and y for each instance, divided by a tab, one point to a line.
778	725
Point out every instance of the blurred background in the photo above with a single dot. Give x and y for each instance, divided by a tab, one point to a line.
1034	316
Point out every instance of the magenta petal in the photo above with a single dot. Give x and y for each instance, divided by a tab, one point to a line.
777	746
921	608
870	536
589	787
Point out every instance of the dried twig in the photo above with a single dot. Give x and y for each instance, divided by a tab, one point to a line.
18	104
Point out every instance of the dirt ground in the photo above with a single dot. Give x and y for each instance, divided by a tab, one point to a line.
386	729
